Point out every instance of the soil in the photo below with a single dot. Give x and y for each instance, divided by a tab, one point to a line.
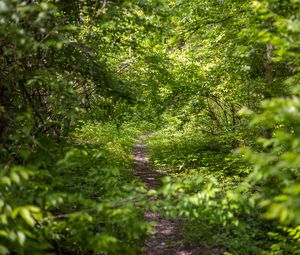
167	238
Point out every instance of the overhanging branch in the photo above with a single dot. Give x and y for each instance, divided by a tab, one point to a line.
195	29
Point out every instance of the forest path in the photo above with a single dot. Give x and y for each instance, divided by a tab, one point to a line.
166	239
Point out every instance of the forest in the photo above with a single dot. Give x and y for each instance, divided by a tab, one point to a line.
153	127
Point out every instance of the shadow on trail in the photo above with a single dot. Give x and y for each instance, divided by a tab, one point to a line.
167	238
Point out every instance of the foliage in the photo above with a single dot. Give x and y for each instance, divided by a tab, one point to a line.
65	190
85	202
248	205
219	201
80	80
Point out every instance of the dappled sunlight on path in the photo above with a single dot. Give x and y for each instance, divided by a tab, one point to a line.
166	239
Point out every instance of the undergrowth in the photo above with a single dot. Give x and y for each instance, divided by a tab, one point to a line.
81	203
208	187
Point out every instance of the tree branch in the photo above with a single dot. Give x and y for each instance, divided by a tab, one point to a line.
195	29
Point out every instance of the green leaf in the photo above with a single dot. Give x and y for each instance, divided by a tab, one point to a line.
3	7
15	177
5	180
3	250
26	215
21	238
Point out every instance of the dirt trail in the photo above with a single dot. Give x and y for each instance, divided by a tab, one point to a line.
167	238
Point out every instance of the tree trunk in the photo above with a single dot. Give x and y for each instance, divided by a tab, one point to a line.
267	132
268	71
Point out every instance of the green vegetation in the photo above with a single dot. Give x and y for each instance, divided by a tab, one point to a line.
81	202
80	81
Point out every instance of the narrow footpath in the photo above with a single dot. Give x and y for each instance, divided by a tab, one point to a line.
167	237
